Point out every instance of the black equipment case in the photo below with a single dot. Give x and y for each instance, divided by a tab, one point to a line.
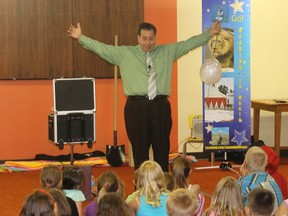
73	117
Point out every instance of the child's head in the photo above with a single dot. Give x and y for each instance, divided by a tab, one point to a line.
108	180
72	177
62	206
180	169
112	204
151	182
40	202
181	202
255	160
169	181
260	202
227	198
51	177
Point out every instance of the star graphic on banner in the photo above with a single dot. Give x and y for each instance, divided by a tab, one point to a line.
239	137
237	6
209	128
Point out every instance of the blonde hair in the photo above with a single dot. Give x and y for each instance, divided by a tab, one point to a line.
227	199
181	202
151	182
256	159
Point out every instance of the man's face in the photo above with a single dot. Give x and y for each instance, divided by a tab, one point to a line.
147	40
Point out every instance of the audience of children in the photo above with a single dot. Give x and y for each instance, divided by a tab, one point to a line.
162	193
226	199
254	175
51	177
260	202
181	202
151	191
72	179
180	169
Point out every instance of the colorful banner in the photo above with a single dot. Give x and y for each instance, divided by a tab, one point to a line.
226	104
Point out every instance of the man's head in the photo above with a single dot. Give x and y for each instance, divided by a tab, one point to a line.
260	202
255	161
147	36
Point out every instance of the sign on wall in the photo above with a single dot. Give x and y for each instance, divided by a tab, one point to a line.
226	104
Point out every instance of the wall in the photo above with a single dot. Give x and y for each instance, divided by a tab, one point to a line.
268	63
25	104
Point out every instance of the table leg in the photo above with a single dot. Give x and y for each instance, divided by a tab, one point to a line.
256	121
277	132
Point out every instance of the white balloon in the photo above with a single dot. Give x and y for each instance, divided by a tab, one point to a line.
210	71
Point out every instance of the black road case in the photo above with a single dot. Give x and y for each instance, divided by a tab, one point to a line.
73	116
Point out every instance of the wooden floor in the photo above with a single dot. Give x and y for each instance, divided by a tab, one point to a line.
15	186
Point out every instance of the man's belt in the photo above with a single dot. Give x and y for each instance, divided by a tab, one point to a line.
146	97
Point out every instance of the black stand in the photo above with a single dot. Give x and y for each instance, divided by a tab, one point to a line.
225	165
72	154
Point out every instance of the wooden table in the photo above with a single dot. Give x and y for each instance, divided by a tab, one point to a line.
272	106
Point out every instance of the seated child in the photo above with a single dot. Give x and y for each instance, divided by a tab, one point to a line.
151	194
72	179
260	202
181	202
227	199
180	169
106	182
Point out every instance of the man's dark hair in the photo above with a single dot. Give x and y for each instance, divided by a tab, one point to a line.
147	26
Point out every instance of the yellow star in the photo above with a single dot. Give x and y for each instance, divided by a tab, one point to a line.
209	128
237	6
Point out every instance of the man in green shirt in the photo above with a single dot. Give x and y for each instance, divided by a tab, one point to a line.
147	118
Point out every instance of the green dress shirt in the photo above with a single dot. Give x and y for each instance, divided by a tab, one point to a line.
132	61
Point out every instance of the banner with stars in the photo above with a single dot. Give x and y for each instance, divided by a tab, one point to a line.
226	104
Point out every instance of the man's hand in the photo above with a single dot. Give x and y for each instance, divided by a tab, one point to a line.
216	28
75	32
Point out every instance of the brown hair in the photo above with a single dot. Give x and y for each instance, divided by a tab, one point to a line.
169	181
38	203
72	177
61	201
51	176
180	168
261	202
112	204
